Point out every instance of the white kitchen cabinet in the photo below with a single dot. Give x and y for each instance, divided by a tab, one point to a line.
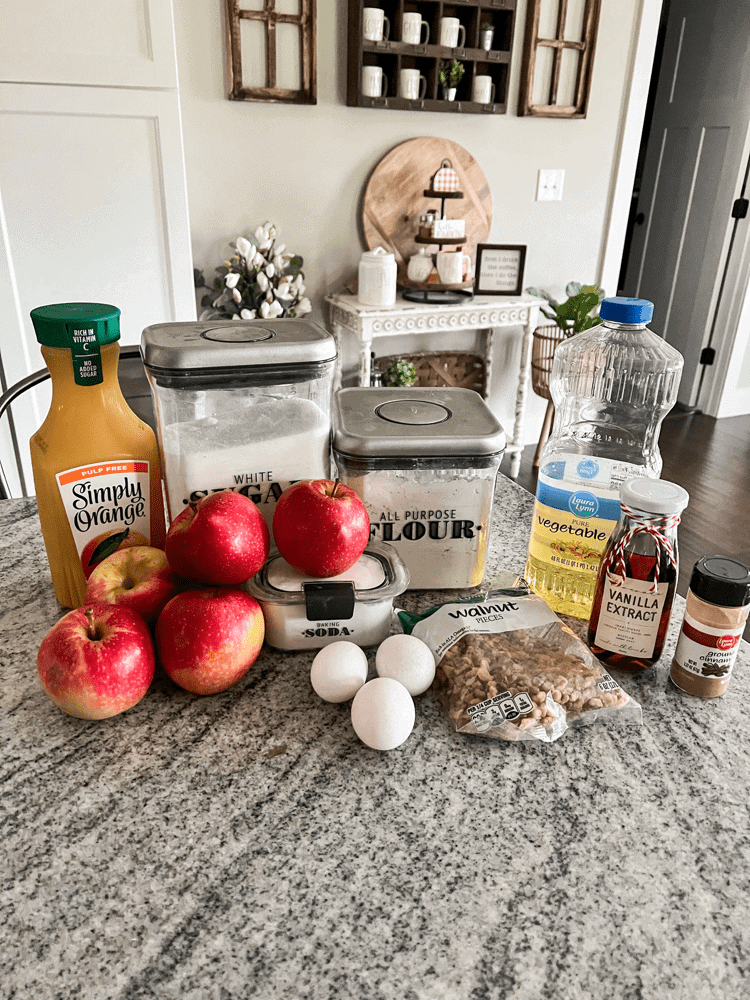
93	202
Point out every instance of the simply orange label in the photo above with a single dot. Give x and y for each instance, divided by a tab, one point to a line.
104	496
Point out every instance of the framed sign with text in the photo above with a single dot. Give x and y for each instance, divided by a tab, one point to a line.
499	269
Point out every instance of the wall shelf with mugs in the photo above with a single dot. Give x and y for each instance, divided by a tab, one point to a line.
397	49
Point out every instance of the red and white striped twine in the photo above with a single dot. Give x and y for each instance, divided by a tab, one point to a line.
649	524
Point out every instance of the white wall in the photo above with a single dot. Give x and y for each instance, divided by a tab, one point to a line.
305	167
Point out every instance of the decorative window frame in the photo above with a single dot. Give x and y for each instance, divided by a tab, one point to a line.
306	21
586	46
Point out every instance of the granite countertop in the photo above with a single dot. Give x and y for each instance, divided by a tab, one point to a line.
248	845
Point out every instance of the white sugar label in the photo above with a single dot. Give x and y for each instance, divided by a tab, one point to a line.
105	496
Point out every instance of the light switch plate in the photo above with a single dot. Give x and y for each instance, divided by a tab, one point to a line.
550	185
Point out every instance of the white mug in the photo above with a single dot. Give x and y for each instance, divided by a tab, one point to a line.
411	29
450	29
375	24
412	85
450	265
483	90
374	82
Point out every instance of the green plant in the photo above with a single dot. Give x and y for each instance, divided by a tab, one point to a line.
400	373
575	313
451	72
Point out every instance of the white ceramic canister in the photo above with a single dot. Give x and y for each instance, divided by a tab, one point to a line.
424	462
301	612
377	278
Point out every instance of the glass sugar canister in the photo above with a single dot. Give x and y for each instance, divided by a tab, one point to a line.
244	405
424	462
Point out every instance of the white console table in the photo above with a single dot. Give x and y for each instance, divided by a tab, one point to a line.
484	312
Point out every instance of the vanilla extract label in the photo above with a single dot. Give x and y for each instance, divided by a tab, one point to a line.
630	615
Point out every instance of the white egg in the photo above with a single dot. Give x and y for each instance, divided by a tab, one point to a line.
338	671
407	659
383	713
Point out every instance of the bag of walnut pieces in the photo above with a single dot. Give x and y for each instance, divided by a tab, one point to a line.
508	668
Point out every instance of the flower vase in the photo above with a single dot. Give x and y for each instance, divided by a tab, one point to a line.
449	93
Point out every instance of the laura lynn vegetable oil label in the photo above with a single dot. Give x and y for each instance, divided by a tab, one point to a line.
572	523
106	496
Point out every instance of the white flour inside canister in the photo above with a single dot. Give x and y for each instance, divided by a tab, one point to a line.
438	520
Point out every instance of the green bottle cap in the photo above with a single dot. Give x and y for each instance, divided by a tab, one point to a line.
81	327
63	324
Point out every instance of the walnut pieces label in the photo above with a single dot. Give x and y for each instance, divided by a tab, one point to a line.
509	668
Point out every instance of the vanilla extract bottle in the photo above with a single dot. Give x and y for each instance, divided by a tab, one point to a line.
637	577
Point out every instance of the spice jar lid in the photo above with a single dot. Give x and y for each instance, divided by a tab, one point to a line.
202	346
426	422
654	496
721	580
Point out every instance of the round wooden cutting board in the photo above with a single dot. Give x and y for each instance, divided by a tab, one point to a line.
394	197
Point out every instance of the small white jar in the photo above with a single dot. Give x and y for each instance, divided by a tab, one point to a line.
420	267
377	278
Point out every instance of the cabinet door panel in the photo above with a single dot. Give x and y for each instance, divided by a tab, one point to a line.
94	208
129	43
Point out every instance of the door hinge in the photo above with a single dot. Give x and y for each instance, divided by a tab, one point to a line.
739	209
708	355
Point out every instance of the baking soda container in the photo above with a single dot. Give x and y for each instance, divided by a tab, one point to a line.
612	386
241	405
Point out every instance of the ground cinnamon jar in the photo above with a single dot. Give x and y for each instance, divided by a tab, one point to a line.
716	609
637	576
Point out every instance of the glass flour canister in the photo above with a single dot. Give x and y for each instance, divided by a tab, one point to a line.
243	405
424	462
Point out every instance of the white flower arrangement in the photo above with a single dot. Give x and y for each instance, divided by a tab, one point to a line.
262	280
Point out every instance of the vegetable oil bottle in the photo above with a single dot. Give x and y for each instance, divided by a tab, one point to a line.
612	386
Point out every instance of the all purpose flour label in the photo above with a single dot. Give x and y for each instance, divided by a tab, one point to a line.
105	496
439	523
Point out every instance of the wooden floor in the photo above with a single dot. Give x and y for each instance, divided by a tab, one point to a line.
711	460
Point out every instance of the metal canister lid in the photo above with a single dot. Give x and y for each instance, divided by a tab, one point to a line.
654	496
201	346
382	422
721	580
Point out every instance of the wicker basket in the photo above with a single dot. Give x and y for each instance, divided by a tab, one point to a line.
546	341
444	368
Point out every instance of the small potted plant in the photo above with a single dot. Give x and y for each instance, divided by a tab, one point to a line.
486	33
450	75
570	317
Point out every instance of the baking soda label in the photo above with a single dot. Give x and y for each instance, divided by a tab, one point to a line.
106	496
706	651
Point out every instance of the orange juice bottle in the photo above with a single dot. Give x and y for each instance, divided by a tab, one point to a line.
96	464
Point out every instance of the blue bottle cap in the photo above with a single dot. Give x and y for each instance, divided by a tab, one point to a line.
624	310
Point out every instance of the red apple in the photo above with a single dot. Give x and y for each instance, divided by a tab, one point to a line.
320	527
119	538
139	578
221	539
97	661
208	639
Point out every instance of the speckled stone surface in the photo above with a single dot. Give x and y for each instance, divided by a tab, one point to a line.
173	852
